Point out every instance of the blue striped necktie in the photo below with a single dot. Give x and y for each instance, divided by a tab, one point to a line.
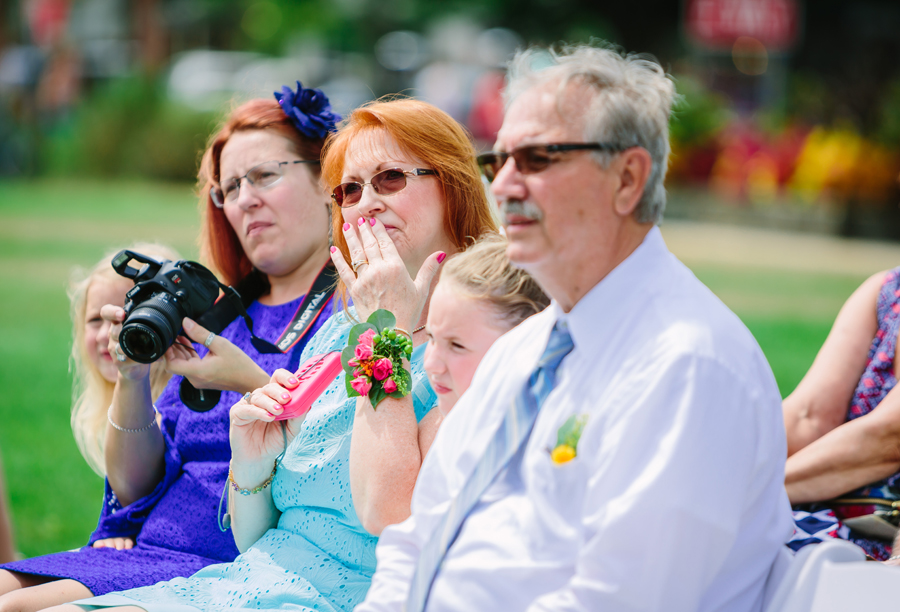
512	433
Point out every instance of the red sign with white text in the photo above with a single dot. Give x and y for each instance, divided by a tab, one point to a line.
718	23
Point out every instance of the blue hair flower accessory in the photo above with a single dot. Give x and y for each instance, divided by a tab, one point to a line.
309	110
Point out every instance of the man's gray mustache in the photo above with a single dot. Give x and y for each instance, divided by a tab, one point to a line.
518	208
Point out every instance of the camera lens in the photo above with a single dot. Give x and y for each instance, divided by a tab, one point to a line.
151	328
141	343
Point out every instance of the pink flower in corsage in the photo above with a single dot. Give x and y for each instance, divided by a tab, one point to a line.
361	385
390	386
366	337
567	438
364	349
383	369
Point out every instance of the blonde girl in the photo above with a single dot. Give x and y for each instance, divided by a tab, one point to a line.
92	366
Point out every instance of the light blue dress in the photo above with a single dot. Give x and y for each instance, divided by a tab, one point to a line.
319	557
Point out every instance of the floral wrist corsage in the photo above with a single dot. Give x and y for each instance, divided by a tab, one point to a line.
373	359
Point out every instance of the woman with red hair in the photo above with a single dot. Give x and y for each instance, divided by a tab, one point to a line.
406	193
265	231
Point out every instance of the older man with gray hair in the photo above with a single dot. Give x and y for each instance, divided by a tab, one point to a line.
624	449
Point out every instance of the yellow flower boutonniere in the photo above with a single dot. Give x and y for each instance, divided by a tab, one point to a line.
567	439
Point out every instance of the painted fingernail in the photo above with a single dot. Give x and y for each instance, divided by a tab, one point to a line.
333	249
372	222
293	381
442	257
346	226
361	221
285	396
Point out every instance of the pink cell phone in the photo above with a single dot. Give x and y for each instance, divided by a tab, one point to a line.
315	375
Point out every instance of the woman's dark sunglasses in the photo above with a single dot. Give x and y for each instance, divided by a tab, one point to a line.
385	182
536	158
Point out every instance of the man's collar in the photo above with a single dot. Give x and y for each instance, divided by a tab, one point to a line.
599	312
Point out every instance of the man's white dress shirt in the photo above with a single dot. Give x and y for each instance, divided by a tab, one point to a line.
675	500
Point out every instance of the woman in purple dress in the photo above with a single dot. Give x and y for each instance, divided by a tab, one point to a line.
843	426
266	232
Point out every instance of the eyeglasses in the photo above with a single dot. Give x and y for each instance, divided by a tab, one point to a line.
386	182
532	159
262	176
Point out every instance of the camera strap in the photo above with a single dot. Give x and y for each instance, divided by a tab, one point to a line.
232	305
317	298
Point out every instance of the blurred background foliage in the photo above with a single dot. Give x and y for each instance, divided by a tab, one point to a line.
807	113
127	128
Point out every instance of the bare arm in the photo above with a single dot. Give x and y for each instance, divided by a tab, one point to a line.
384	461
256	441
858	452
819	403
134	459
428	428
384	464
252	515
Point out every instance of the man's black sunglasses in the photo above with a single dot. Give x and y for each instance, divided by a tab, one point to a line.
537	158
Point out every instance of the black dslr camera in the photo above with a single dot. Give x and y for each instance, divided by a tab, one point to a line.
163	294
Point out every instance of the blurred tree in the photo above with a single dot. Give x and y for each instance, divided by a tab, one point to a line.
128	128
355	25
853	48
150	31
5	21
699	115
889	125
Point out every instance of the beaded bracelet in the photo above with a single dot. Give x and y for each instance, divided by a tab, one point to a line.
254	490
129	429
406	333
400	330
224	521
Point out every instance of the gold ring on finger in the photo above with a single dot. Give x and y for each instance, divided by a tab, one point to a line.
357	263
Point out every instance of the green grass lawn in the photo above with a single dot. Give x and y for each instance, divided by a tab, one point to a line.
48	228
789	313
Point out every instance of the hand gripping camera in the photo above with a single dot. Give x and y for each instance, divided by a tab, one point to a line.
163	294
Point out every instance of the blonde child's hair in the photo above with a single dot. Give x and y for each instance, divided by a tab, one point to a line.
91	393
484	272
